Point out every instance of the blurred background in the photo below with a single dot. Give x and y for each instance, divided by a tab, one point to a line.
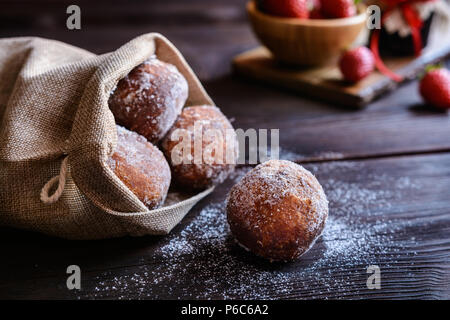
208	32
385	170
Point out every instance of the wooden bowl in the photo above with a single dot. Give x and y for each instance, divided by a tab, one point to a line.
306	42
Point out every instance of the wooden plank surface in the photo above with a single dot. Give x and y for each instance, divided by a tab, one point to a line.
393	212
390	207
209	50
397	124
52	13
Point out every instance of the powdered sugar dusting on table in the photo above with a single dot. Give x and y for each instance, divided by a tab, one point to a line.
203	253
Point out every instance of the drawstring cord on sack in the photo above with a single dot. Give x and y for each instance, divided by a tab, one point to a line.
61	179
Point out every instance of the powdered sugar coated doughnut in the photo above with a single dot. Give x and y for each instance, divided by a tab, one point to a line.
141	167
149	99
277	210
214	167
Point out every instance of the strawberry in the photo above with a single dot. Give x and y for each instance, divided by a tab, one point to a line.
313	4
287	8
334	9
316	14
314	10
357	64
435	88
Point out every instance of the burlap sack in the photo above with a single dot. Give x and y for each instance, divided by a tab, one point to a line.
57	131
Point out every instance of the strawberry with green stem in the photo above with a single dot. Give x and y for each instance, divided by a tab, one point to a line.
434	87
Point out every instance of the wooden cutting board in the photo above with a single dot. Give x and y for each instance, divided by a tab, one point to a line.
325	83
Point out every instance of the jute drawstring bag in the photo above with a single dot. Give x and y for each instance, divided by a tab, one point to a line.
56	132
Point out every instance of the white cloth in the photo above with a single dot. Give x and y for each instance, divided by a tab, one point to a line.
395	22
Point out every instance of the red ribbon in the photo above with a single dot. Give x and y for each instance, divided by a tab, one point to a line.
415	23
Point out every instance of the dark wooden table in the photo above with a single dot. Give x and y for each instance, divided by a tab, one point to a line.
385	169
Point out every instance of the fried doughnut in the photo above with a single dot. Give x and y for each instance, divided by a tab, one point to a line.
149	99
141	167
277	210
216	144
